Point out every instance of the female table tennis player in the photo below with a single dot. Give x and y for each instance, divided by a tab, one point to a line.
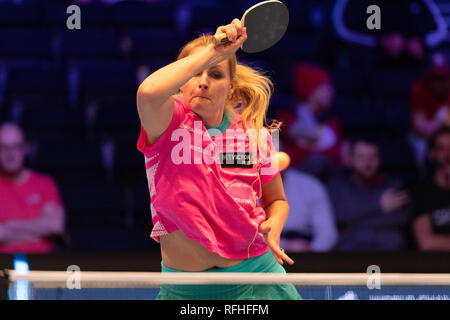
205	213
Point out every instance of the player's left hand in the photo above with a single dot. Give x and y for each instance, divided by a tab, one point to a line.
271	231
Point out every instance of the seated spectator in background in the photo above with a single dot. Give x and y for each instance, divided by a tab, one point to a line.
408	28
430	107
31	211
312	137
431	225
370	207
310	225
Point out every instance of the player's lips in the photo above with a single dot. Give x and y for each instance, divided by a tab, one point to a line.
200	97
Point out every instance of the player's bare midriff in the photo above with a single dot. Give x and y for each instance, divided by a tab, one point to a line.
181	253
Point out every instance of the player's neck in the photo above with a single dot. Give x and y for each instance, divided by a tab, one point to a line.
213	120
16	177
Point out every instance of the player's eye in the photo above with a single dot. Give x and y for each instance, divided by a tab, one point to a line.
217	75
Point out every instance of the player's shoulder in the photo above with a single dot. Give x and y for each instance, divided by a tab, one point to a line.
42	177
180	104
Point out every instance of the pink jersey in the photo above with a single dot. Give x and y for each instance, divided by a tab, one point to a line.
24	202
212	203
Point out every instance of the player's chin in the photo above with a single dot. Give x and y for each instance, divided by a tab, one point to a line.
197	107
203	105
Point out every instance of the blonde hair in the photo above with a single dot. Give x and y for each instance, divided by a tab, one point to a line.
252	91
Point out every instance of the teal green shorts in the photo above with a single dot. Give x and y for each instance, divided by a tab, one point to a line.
263	263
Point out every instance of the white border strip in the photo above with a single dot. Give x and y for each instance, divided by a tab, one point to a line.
155	279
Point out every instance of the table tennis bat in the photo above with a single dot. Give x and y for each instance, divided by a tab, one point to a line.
266	23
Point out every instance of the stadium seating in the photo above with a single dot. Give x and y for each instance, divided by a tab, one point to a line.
125	14
42	121
104	81
93	204
18	44
89	44
55	14
25	15
36	82
146	42
117	121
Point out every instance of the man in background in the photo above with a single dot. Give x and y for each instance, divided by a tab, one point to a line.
431	226
31	211
370	207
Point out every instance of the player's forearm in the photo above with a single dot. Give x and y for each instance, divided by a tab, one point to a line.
435	242
165	82
278	211
8	235
49	223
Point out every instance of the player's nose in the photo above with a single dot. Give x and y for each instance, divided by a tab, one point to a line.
203	82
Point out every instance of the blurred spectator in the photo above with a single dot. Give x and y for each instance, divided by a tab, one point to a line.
431	225
401	39
31	212
370	207
312	137
310	226
430	104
